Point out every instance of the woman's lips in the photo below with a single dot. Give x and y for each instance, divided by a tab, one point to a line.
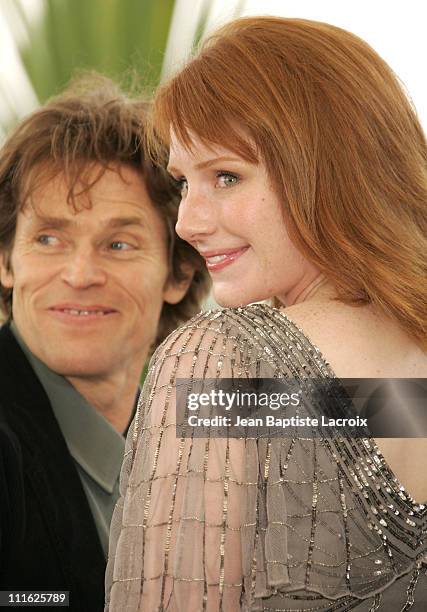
220	259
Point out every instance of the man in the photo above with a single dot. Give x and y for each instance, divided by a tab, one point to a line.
92	276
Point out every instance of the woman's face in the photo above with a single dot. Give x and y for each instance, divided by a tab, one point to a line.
230	213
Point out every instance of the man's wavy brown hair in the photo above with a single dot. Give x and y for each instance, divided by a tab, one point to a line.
93	123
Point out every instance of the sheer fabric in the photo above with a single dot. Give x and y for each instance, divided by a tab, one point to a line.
256	524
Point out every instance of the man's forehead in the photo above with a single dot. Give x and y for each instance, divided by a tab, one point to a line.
53	193
118	199
80	182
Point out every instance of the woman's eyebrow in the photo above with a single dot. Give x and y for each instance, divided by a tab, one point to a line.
208	162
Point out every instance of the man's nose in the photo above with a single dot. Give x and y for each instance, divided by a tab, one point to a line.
83	269
196	217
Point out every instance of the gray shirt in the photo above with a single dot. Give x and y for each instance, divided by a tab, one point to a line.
95	446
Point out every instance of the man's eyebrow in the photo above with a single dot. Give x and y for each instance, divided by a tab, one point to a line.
54	222
114	222
208	162
123	221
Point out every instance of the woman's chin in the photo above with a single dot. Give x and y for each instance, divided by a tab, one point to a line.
227	300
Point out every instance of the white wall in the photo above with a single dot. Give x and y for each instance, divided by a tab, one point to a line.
394	28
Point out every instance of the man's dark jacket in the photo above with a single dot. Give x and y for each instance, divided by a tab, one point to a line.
48	538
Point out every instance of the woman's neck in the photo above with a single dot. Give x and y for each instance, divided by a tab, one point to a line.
318	289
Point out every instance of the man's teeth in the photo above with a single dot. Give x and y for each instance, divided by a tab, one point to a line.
216	259
82	313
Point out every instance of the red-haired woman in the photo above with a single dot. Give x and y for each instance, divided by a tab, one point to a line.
303	175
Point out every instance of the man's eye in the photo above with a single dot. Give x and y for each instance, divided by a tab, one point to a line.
120	245
226	179
47	240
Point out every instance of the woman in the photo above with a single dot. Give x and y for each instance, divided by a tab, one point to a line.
303	175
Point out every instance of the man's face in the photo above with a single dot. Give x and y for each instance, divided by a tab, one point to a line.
88	286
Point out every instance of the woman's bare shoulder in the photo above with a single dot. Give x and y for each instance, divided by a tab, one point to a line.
357	341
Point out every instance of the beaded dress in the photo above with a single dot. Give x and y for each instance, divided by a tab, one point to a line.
280	524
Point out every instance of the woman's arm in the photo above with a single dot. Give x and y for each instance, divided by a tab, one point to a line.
176	541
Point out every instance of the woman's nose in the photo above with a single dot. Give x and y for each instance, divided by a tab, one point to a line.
196	217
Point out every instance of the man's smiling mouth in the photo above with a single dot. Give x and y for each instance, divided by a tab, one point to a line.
82	311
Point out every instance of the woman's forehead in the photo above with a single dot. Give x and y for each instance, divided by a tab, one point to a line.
195	146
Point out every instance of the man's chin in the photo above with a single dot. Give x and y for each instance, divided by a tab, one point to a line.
78	367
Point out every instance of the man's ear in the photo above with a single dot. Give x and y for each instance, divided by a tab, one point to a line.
175	290
6	274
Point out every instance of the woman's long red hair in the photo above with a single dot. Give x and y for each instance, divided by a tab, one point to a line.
341	142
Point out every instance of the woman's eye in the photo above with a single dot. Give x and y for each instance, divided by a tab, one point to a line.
47	240
226	179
